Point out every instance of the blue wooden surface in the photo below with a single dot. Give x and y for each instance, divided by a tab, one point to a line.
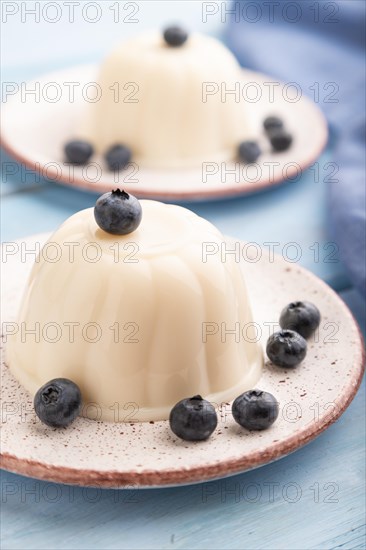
312	499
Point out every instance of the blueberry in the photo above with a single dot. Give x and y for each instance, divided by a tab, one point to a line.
175	36
117	212
272	123
302	317
58	402
118	157
255	410
193	419
280	140
286	348
249	151
78	151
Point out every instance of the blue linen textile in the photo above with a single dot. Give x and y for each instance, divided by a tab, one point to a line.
320	46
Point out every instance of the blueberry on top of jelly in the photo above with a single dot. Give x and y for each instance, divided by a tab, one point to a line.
175	36
117	212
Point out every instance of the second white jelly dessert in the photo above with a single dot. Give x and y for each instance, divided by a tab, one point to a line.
167	104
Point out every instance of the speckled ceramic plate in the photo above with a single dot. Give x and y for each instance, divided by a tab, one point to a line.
34	129
89	452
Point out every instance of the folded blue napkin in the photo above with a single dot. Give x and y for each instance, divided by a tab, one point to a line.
320	46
